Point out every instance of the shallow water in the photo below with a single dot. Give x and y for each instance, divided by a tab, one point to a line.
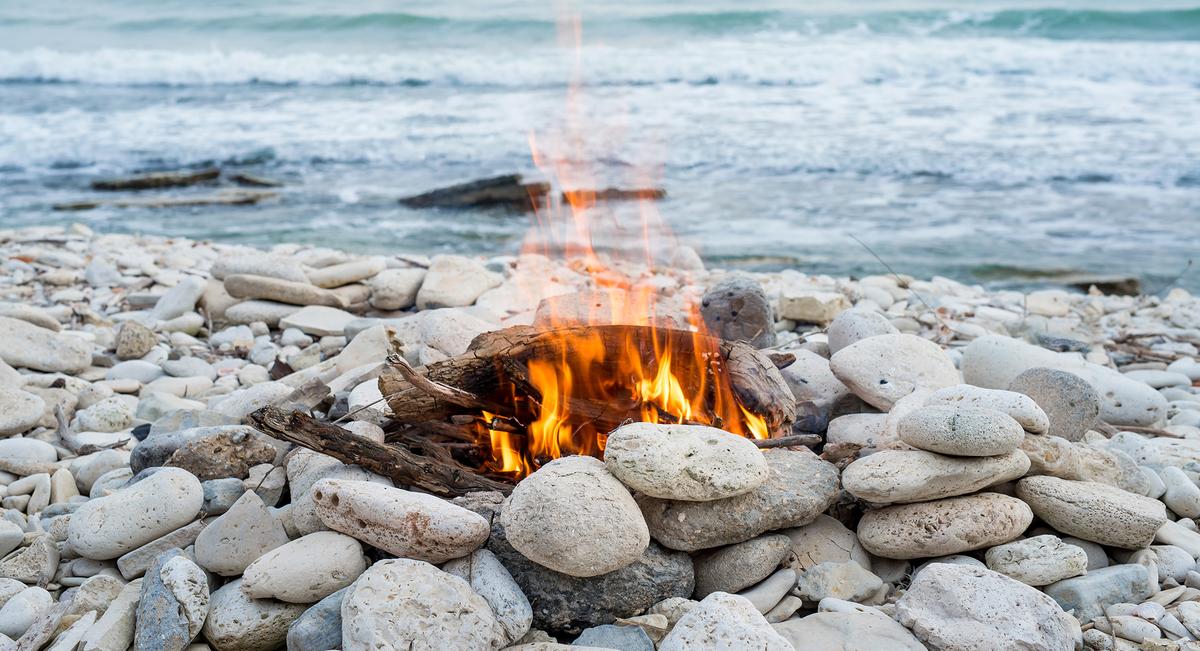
981	143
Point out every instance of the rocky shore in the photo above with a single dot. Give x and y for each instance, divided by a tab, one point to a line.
997	470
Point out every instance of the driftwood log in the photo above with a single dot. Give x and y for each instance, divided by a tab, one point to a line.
496	362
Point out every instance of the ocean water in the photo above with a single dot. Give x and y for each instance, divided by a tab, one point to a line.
988	141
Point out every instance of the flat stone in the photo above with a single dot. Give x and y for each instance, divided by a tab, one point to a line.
739	566
901	476
684	462
221	494
318	320
947	526
259	264
24	345
848	581
847	631
23	449
807	305
885	368
305	570
19	410
253	311
115	629
35	564
454	281
824	540
961	431
1090	594
1018	406
723	621
1160	379
413	605
608	636
110	526
854	325
400	522
240	536
573	517
238	623
1182	495
337	275
1094	511
767	593
109	415
180	299
799	488
963	607
736	309
1070	403
320	627
1038	561
243	402
136	562
489	578
282	291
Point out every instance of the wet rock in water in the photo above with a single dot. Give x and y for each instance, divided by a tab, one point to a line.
240	536
962	607
24	345
407	604
848	631
173	604
320	627
900	476
948	526
228	453
1072	406
854	325
134	340
961	431
733	568
1092	511
684	462
736	309
1090	594
305	570
19	410
238	623
799	488
454	281
507	191
723	621
573	517
107	527
885	368
491	580
1037	561
405	523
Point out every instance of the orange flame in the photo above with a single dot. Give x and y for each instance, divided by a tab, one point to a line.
681	380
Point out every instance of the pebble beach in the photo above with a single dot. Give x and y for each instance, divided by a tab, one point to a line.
996	469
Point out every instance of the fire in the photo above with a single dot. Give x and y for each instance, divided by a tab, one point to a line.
678	379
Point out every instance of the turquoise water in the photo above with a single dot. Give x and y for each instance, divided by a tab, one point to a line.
981	140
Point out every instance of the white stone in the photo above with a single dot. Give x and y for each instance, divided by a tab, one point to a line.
238	623
489	578
767	593
855	325
723	622
811	306
1093	511
19	410
396	289
1182	495
1018	406
1037	561
110	526
868	630
179	300
947	526
187	583
961	431
318	320
845	580
21	611
684	462
885	368
109	415
24	345
305	570
454	281
899	476
114	630
239	536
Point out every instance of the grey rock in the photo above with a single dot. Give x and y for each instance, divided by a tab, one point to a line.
737	309
736	567
179	300
853	326
1090	594
238	623
158	448
766	594
1094	511
239	537
799	488
621	638
847	581
1071	404
320	627
181	419
490	580
163	623
848	631
136	562
221	494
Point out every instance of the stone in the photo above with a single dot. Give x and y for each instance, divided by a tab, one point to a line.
227	453
231	542
110	526
963	607
736	309
413	605
767	593
109	415
24	345
901	476
305	570
573	517
885	368
1071	405
19	410
811	380
253	311
68	640
1018	406
1182	495
1037	561
809	306
1058	457
134	340
799	488
238	623
27	449
320	627
1094	511
318	320
1173	562
854	325
395	289
158	447
173	604
488	577
847	580
1090	594
35	564
22	610
11	537
608	636
454	281
337	275
281	291
180	299
824	539
136	562
259	264
404	523
684	462
847	631
961	431
739	566
1160	379
723	621
947	526
994	362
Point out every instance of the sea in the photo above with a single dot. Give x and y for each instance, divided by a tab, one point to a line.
1003	142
